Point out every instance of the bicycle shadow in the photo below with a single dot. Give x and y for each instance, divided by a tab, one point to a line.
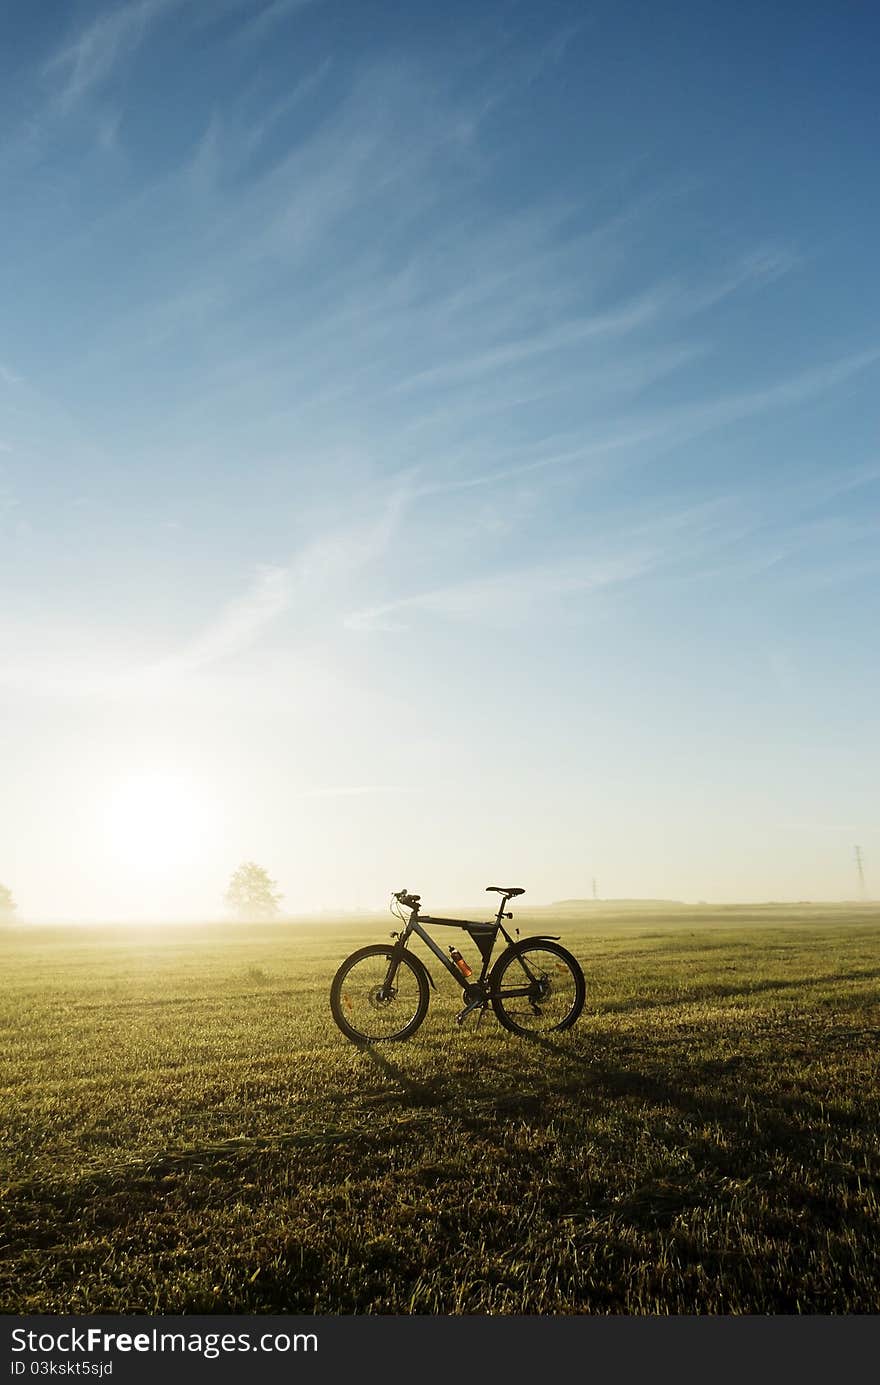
613	1077
586	1082
417	1093
732	1125
742	1106
489	1107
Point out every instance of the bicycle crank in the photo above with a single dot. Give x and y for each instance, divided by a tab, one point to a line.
475	999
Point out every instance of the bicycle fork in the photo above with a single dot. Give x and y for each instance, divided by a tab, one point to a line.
394	963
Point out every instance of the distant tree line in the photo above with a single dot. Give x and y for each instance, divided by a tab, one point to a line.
252	895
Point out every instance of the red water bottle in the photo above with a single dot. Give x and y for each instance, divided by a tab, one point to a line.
460	962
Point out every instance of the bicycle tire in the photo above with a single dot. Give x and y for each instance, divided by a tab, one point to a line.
509	1015
340	1000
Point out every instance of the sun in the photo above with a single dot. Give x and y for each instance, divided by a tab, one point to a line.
156	819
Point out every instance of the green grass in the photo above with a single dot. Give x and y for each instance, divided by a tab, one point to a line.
186	1131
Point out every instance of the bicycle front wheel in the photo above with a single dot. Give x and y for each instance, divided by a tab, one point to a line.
537	987
367	1007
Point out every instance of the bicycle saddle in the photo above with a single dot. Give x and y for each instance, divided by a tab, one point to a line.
510	890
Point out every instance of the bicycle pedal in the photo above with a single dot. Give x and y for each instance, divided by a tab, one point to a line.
468	1009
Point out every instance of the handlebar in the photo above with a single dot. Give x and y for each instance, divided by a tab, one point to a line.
408	900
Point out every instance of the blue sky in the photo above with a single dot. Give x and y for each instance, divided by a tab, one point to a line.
437	442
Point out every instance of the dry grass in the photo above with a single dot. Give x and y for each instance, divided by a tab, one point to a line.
186	1130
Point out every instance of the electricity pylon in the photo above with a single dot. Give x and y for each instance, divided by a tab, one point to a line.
863	893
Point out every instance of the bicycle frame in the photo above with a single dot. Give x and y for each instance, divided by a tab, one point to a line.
485	935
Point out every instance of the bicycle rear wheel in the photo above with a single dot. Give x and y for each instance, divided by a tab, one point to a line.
537	987
366	1009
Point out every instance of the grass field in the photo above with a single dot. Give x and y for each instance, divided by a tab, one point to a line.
184	1129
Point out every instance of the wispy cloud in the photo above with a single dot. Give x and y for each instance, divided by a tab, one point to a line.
676	424
10	378
302	587
308	588
559	338
271	15
490	315
271	115
504	598
762	265
796	389
240	624
660	541
90	58
449	336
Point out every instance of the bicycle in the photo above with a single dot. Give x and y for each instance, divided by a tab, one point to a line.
381	992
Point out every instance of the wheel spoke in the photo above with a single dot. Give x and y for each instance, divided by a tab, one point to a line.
553	996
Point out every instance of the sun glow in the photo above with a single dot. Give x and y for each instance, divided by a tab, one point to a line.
157	820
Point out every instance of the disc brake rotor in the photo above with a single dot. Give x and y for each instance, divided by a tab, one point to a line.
378	1001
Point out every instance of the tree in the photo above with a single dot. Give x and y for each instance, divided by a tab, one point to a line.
251	894
7	905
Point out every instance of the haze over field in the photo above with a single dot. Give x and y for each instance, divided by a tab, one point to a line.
438	447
